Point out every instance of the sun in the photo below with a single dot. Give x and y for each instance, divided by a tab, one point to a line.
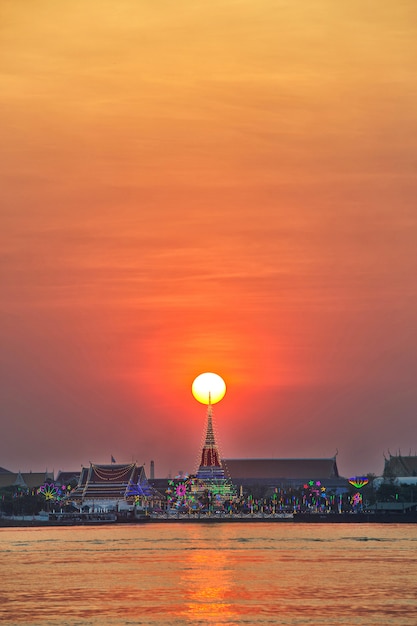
208	388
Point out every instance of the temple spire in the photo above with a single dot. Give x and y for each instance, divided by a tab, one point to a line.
210	464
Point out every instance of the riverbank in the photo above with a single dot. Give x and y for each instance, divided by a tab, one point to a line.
296	518
181	518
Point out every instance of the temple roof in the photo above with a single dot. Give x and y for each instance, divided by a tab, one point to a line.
28	480
298	469
64	478
400	466
111	482
210	463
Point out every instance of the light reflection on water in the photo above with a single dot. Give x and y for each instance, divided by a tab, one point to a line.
215	574
206	585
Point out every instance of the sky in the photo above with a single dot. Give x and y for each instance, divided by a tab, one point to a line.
224	186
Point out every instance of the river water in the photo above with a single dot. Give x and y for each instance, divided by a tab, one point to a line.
210	574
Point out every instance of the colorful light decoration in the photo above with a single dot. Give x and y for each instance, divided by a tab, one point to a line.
314	496
195	495
134	490
181	490
356	499
53	492
192	493
358	481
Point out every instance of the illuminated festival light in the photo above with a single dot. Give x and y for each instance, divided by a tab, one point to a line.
50	491
193	493
181	491
356	499
358	481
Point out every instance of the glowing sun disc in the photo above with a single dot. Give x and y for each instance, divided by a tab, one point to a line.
208	387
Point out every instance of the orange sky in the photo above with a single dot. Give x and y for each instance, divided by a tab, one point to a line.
226	186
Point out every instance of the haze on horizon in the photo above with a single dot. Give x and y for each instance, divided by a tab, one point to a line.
187	187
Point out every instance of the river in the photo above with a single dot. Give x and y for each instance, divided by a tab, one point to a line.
209	574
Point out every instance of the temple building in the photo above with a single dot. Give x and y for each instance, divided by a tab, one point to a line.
284	472
401	468
26	481
211	472
67	477
210	467
103	488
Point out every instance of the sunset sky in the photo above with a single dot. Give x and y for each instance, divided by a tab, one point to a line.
191	186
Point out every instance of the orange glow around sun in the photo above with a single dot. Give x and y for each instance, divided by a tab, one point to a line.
208	388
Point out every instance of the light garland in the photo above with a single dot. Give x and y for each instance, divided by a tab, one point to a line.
111	474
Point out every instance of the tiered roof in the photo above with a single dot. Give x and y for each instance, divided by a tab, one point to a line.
26	480
111	482
63	478
398	466
210	464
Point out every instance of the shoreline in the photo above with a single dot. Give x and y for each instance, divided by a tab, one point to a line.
298	518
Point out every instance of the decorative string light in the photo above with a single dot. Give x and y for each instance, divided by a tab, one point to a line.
112	474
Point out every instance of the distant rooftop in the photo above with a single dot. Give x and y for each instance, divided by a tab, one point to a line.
398	466
26	480
292	469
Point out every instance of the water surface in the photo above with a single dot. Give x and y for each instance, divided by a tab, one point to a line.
216	574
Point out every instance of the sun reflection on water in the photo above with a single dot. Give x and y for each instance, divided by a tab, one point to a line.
207	586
